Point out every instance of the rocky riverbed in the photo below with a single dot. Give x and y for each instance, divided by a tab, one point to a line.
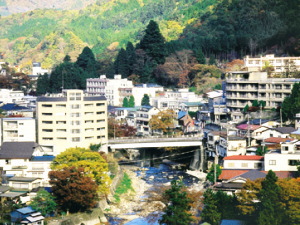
135	204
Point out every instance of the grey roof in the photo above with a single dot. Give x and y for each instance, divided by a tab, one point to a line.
23	179
285	130
232	222
4	188
11	194
17	150
252	175
229	186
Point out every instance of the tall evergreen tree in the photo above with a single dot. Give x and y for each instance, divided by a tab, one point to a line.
121	64
291	104
270	212
210	213
131	56
42	84
200	56
145	100
177	210
153	43
125	102
87	62
212	60
131	102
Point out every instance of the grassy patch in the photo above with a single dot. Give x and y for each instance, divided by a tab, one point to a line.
123	187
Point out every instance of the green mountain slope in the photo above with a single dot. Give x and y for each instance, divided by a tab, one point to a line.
48	35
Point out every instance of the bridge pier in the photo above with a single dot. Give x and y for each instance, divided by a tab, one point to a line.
133	153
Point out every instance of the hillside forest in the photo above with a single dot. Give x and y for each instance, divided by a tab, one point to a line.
174	43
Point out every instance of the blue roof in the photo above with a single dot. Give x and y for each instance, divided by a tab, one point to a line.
181	114
25	210
43	158
12	106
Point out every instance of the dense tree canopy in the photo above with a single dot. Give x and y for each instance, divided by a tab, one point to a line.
44	203
145	100
73	190
163	121
291	105
94	165
177	210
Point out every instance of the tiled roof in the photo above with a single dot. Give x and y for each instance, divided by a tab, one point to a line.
253	175
277	139
285	130
13	106
244	157
228	174
245	127
17	150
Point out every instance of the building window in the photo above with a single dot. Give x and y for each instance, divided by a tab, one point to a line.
75	114
75	122
98	121
75	131
47	138
89	121
89	105
61	138
8	161
88	113
230	165
76	139
21	123
47	114
75	106
47	105
89	129
257	165
61	122
272	162
245	165
89	138
60	105
293	162
100	104
47	122
47	130
61	130
101	112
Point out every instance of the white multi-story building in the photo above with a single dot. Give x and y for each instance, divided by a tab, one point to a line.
143	116
10	96
151	90
16	129
37	69
280	64
173	99
115	90
243	87
71	119
286	159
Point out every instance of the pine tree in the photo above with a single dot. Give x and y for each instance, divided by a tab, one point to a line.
121	64
153	43
131	56
87	62
145	100
200	57
210	213
131	102
125	102
42	85
212	60
270	212
177	211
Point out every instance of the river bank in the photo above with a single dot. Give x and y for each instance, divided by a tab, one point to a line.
135	205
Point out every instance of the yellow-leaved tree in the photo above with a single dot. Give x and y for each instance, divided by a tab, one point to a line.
95	166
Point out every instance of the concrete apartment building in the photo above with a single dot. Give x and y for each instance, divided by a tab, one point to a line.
280	64
285	159
115	90
71	119
10	96
242	87
18	129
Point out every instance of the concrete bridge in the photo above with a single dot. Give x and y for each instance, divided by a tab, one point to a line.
155	142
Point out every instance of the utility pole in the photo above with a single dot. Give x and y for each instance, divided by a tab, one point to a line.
280	110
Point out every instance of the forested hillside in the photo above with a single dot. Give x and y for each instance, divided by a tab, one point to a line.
193	32
48	35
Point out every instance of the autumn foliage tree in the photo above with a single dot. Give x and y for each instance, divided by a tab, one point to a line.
94	165
118	129
162	121
73	190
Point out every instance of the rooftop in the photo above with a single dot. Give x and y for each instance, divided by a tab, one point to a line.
244	157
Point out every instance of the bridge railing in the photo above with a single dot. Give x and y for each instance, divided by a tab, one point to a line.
197	136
